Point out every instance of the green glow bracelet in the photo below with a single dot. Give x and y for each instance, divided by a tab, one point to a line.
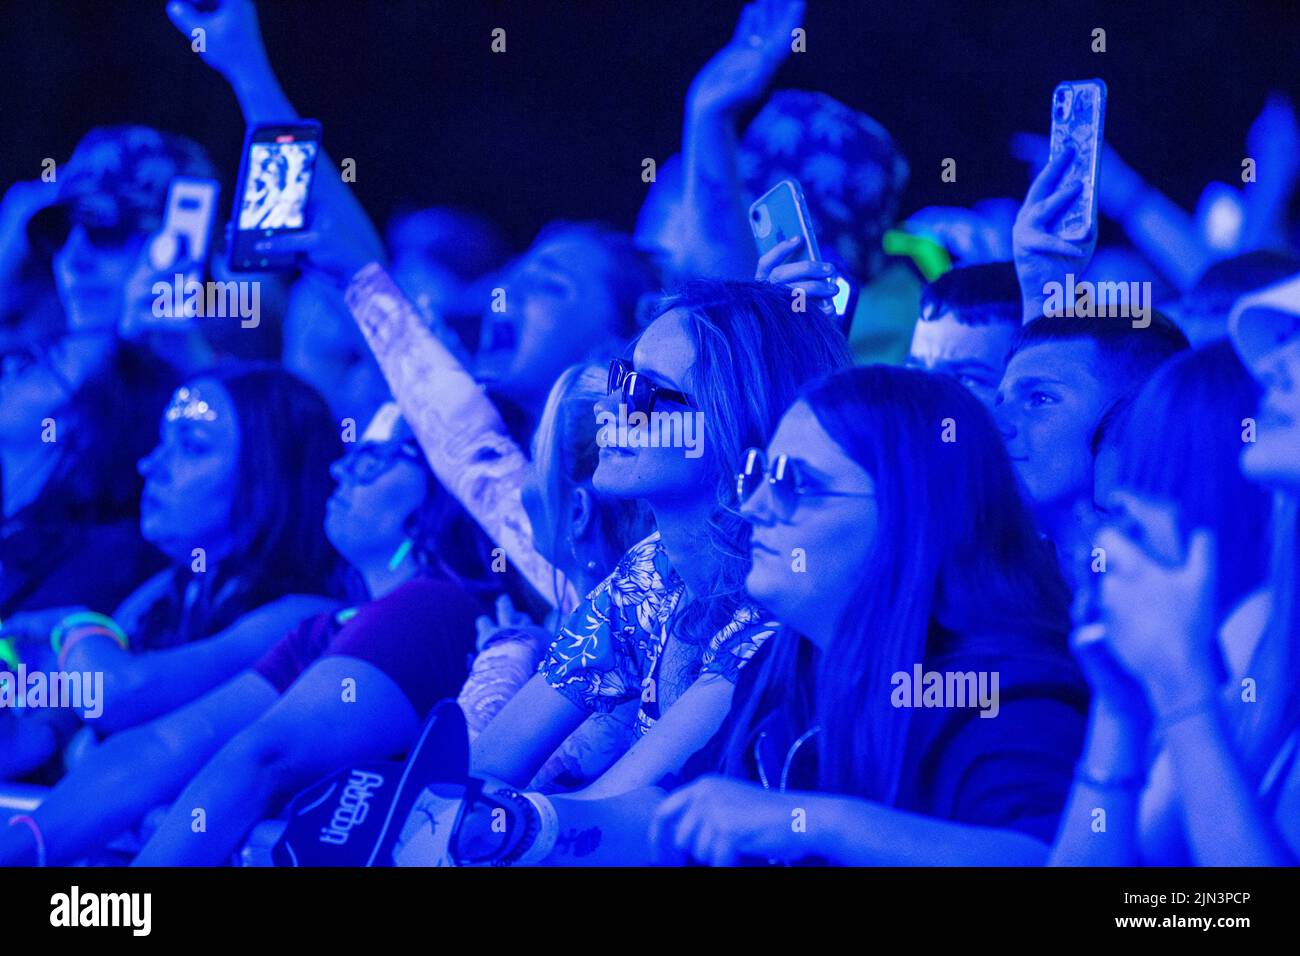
9	653
86	617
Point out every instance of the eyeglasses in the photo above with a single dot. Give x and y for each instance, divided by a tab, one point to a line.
371	459
639	393
785	480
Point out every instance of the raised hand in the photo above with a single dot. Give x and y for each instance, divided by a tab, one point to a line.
232	39
1041	256
507	620
1159	613
21	202
738	74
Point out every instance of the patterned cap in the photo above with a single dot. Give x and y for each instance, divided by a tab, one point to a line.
852	174
118	175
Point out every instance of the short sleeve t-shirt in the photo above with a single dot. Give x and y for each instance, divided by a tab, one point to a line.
420	635
609	647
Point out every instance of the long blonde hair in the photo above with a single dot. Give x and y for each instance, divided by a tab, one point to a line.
565	454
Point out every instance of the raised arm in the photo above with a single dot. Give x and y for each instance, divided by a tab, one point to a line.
715	238
1160	229
457	426
233	47
1041	256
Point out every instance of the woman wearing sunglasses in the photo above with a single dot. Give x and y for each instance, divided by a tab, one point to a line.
418	575
660	633
888	538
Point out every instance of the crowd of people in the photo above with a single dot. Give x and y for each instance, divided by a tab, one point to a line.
960	580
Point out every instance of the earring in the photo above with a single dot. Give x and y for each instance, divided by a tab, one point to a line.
400	554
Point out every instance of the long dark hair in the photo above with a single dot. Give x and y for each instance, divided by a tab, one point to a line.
753	353
287	440
956	554
565	455
105	427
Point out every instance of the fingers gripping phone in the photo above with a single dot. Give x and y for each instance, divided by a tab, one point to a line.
275	180
1078	117
781	213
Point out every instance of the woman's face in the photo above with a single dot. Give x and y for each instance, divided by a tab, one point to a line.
191	478
1274	457
664	354
92	277
807	567
379	485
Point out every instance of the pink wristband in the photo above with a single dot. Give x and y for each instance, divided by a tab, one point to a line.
36	834
91	630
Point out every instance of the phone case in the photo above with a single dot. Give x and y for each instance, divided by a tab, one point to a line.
781	213
243	256
191	208
1078	117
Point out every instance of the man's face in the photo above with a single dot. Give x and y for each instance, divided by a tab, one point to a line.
1048	405
972	354
558	310
1274	457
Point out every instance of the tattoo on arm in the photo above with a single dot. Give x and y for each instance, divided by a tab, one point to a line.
578	842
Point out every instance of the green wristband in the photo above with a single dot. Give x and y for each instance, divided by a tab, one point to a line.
86	617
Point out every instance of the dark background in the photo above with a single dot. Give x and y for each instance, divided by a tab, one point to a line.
559	124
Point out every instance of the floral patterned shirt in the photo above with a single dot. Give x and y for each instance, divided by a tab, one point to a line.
609	648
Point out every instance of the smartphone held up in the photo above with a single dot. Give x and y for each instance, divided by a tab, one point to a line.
1078	117
275	179
781	214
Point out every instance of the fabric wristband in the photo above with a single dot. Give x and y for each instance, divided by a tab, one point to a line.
548	829
1179	714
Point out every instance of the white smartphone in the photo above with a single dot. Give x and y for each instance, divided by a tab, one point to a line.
187	224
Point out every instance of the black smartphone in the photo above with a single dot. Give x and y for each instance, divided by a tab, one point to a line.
275	180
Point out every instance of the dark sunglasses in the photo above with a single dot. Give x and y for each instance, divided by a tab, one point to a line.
785	480
639	393
49	229
369	460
